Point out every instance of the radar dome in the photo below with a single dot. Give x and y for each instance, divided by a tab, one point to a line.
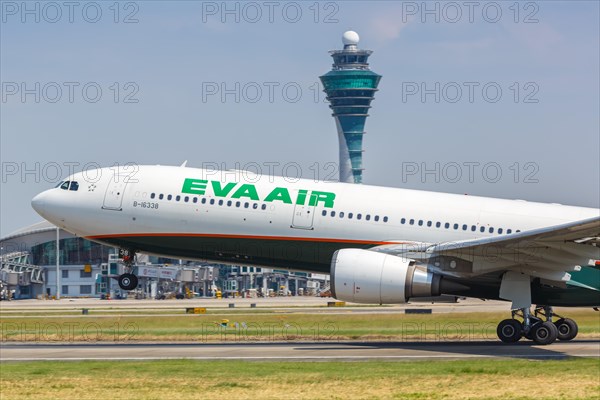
350	38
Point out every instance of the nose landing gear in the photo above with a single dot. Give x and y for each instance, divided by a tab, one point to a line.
128	280
537	327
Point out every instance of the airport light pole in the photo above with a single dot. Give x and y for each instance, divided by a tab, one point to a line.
57	263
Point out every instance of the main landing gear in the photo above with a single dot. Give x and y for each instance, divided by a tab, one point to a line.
538	327
128	281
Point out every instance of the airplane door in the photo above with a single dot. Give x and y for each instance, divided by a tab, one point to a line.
113	198
303	217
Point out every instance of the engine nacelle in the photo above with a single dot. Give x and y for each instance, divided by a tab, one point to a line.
362	276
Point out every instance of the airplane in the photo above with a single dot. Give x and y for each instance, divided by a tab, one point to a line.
380	245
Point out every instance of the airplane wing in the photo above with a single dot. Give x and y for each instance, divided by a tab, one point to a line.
556	253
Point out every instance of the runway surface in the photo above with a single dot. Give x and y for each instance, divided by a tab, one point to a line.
306	351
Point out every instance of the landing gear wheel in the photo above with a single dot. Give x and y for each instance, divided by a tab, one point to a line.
128	281
509	331
544	333
567	329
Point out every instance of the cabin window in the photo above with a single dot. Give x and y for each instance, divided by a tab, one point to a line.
368	217
438	224
178	198
500	231
509	231
412	222
359	216
482	229
403	221
169	197
455	226
350	215
429	223
420	222
324	212
446	225
333	214
263	207
473	228
376	218
152	195
385	219
341	214
161	196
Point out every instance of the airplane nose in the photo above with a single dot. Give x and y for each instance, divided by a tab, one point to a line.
38	202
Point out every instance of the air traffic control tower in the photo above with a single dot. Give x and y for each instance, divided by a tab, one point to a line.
350	87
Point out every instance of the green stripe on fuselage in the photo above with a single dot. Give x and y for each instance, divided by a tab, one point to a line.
299	255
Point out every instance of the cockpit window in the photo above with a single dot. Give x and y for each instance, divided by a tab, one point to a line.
74	185
65	185
59	184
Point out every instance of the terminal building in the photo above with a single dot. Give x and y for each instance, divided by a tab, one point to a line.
350	87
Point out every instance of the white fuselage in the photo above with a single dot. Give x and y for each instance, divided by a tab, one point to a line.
160	209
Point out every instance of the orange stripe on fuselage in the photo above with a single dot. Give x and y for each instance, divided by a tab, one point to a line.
225	236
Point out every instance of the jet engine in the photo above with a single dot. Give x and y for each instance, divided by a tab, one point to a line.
362	276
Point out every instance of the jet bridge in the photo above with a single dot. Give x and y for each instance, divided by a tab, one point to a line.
17	271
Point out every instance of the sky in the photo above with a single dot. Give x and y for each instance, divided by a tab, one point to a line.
495	99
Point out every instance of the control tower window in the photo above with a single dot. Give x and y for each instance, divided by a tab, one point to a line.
65	185
74	186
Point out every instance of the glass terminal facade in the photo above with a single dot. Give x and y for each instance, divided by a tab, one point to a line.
73	251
